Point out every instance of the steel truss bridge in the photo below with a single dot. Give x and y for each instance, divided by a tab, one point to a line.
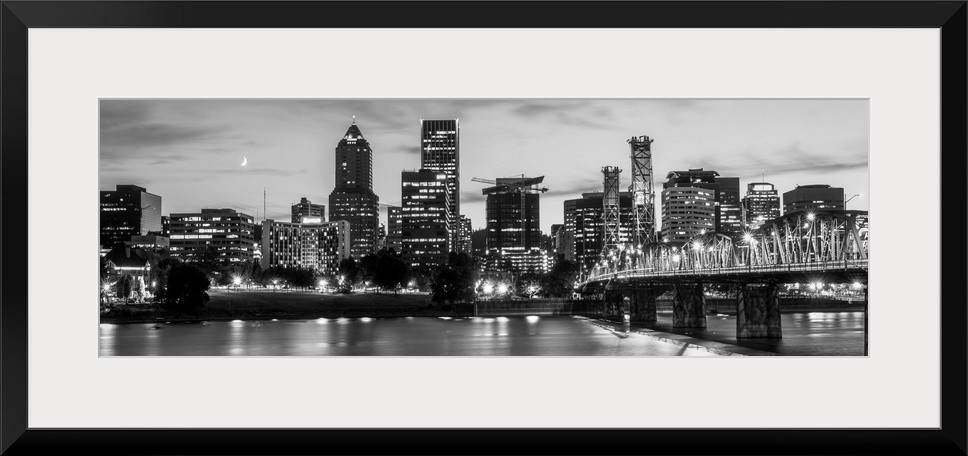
800	247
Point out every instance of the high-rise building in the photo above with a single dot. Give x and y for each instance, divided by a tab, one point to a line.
317	246
440	151
353	199
690	205
217	235
479	243
761	203
557	232
425	228
127	211
730	207
394	228
584	226
813	198
464	230
305	209
514	225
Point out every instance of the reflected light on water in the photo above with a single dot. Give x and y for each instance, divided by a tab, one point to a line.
322	321
532	318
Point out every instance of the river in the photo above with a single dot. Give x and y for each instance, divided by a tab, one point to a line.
415	336
817	333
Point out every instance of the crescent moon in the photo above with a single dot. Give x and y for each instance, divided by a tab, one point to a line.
244	161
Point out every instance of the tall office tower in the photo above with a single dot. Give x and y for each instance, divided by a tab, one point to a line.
318	246
514	224
440	151
127	211
217	235
813	198
557	235
306	209
353	199
424	227
464	230
761	203
641	189
730	207
479	243
584	227
690	205
394	228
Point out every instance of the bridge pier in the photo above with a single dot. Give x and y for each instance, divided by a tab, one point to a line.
643	305
688	306
613	305
758	311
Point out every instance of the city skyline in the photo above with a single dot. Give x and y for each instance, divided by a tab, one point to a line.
288	146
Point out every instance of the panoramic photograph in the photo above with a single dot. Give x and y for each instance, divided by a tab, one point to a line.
483	227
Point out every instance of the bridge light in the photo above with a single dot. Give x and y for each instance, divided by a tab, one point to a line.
696	245
747	237
857	285
810	216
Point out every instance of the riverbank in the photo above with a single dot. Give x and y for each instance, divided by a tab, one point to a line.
284	305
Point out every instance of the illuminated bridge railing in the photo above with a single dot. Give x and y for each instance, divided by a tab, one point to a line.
733	270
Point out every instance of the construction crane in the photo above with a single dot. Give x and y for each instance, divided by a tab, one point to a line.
522	185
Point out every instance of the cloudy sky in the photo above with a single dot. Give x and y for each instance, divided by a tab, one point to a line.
190	151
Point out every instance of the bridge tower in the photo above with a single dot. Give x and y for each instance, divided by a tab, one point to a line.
643	197
611	222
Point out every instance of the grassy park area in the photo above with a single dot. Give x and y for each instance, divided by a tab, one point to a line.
268	304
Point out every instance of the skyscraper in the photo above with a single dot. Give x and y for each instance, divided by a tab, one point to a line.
424	223
464	230
761	203
305	208
690	204
353	199
730	207
127	211
394	228
813	198
440	151
513	224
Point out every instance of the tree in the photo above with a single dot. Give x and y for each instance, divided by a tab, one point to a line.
349	271
122	289
560	281
455	283
389	271
187	287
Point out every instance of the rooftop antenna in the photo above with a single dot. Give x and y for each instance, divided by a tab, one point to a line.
354	120
263	203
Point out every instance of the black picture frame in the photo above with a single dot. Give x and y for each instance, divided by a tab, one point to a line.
18	16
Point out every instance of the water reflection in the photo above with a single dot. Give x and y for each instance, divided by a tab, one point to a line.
500	336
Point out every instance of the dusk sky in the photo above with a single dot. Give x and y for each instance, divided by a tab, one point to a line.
190	151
